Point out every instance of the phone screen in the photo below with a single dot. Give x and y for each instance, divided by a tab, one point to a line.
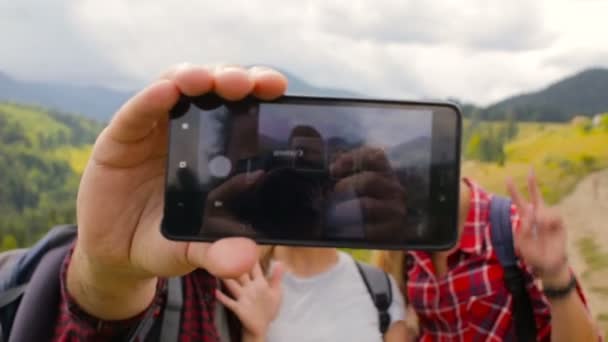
311	171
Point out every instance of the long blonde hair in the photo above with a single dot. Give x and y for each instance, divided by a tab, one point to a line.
266	253
393	263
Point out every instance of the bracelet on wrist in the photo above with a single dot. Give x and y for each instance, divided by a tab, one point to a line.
560	292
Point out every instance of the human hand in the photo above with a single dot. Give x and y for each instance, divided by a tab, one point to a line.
541	239
257	300
120	251
219	217
378	193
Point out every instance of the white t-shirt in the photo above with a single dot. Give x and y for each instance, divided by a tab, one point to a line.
332	306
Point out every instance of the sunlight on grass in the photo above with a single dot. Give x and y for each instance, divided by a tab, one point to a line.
363	255
600	290
595	259
560	154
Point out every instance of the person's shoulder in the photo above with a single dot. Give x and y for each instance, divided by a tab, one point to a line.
353	264
476	189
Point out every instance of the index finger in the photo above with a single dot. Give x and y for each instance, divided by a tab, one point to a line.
234	186
364	158
516	197
257	273
535	194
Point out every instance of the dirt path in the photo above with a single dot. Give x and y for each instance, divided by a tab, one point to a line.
585	212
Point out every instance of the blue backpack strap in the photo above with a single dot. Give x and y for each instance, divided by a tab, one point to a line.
502	231
30	294
379	287
15	280
38	307
57	236
502	240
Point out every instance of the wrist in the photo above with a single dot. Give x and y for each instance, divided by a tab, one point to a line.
558	278
106	293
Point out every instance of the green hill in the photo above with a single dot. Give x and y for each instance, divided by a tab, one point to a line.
585	93
42	154
562	154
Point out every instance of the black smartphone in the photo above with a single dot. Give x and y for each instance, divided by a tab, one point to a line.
312	171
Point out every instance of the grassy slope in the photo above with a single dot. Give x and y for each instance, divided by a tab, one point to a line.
561	155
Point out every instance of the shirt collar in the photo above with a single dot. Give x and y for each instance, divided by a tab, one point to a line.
472	239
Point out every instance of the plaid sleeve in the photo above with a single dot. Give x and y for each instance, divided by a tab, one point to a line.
74	324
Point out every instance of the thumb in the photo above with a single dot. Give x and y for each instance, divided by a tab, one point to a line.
225	258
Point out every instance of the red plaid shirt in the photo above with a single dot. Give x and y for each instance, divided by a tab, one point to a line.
197	324
470	302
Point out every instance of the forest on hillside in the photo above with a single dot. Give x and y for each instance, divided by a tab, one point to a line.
39	176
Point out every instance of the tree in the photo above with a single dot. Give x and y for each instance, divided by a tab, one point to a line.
511	126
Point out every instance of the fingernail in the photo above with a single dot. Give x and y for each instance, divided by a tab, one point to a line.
183	66
260	69
228	67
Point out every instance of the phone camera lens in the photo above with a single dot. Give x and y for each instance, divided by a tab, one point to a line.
220	166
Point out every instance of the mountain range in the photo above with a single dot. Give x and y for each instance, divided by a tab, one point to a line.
100	103
585	93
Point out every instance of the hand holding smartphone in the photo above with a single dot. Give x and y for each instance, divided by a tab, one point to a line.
311	171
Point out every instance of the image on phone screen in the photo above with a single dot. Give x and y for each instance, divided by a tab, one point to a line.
313	171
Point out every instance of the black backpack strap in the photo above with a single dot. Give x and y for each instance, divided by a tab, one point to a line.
502	240
378	285
173	310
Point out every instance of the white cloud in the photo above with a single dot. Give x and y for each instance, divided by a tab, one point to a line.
41	41
480	50
484	24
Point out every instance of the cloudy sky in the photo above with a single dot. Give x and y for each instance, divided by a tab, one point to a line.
476	50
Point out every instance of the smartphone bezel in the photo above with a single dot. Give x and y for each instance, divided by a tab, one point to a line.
445	183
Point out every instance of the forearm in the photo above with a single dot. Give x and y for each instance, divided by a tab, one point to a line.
108	295
570	319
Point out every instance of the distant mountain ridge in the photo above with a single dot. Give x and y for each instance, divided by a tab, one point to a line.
585	93
94	102
101	103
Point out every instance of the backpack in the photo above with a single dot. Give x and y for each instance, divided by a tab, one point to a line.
30	289
502	241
